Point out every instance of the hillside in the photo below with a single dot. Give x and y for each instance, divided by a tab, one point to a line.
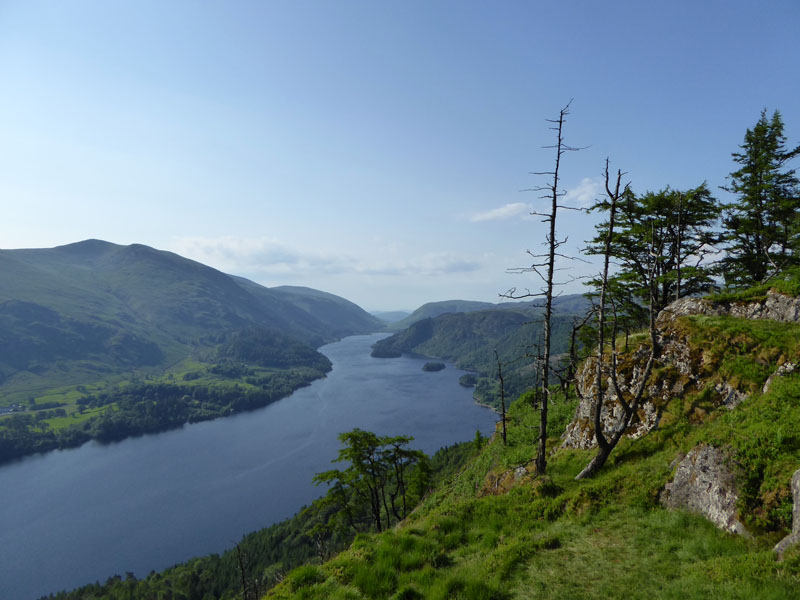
129	306
469	339
82	323
491	529
691	508
567	304
434	309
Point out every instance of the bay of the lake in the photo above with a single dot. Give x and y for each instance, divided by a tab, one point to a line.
76	516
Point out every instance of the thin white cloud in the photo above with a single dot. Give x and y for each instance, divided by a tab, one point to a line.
259	255
262	256
584	194
507	211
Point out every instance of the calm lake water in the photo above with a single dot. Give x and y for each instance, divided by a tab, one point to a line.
72	517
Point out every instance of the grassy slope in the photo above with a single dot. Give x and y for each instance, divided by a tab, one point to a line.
607	537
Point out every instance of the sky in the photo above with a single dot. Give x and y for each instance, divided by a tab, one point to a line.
376	150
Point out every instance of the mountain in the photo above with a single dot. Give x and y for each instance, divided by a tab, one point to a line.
91	329
434	309
469	339
342	316
390	316
136	306
567	304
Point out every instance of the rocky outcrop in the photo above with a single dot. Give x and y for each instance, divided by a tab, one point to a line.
794	537
678	367
774	306
704	484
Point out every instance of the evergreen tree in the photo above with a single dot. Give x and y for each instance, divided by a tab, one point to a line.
677	225
761	224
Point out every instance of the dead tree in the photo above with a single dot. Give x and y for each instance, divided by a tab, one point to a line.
546	262
250	588
630	405
502	394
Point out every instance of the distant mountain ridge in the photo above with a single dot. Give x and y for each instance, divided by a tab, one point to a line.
567	304
470	338
94	306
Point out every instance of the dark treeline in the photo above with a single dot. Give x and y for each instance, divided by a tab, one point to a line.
147	407
312	535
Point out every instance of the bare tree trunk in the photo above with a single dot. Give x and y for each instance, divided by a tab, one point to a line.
502	394
605	445
678	260
541	453
546	270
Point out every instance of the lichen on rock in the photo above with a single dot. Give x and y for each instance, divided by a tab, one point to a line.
794	537
679	369
705	484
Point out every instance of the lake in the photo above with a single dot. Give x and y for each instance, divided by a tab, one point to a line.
75	516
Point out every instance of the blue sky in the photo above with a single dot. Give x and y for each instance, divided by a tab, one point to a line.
375	150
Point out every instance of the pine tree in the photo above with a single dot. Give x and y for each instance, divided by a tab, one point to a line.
678	224
761	224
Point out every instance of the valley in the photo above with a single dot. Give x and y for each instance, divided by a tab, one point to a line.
101	341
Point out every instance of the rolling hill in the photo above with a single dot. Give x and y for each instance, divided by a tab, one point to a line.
469	339
91	328
567	304
133	306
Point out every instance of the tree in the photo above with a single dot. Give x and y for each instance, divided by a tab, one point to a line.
546	262
677	226
605	387
761	224
372	492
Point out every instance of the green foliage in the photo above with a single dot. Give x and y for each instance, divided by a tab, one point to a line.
269	348
433	366
372	492
762	226
676	227
786	282
143	407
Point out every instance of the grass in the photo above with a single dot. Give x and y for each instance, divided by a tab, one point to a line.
484	534
787	283
67	396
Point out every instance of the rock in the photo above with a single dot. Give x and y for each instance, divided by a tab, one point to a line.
785	369
794	537
775	306
731	397
705	484
675	353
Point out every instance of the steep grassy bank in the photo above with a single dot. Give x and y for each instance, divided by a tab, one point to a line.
496	531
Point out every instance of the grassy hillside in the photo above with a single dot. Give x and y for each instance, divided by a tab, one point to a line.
496	531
